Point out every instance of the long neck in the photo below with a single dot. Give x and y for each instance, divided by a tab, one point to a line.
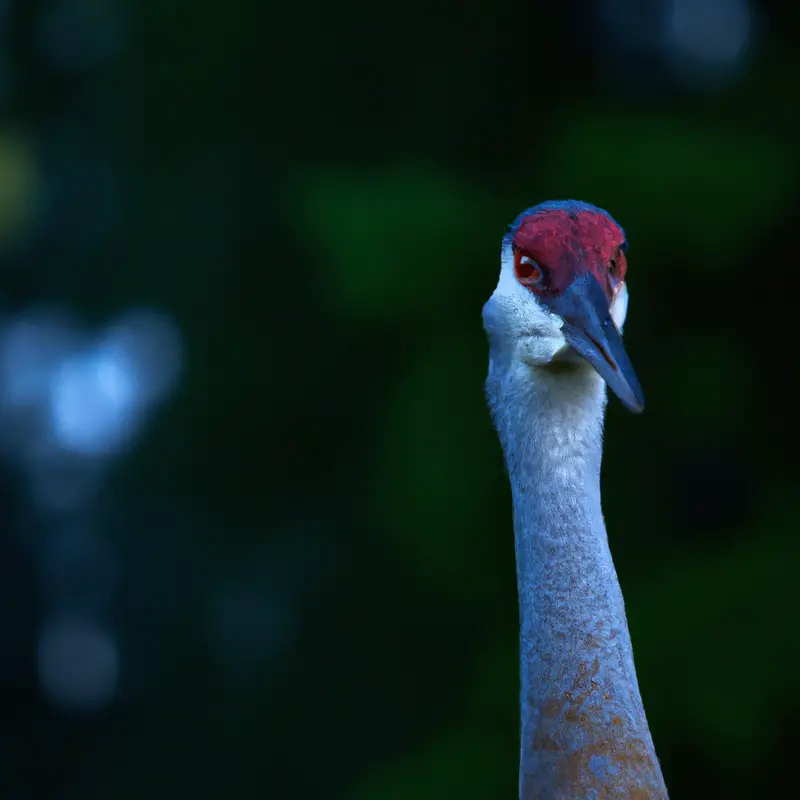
584	731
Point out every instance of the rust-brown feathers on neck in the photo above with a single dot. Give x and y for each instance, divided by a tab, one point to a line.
587	744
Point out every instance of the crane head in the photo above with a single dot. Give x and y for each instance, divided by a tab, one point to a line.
562	296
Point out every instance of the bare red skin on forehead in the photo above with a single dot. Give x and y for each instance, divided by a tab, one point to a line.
571	243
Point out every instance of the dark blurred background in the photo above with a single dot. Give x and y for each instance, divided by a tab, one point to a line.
255	534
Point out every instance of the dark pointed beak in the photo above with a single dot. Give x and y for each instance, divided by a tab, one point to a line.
591	332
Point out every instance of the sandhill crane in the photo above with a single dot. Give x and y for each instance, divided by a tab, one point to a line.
554	324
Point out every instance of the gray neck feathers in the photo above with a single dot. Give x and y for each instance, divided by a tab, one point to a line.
584	731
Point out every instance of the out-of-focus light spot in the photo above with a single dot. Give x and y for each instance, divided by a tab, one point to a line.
710	30
30	350
19	185
59	395
81	34
149	344
98	397
78	664
702	42
94	403
705	40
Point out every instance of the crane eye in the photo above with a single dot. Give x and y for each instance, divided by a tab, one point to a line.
527	270
616	268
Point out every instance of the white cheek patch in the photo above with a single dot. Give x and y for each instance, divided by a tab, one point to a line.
619	308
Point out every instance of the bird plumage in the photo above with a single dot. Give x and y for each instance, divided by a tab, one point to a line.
584	733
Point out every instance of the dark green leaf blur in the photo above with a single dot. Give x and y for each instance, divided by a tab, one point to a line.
255	530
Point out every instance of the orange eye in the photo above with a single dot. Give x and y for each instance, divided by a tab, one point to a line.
527	270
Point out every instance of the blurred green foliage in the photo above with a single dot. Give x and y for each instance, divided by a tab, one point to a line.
380	229
425	482
721	638
17	184
681	185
